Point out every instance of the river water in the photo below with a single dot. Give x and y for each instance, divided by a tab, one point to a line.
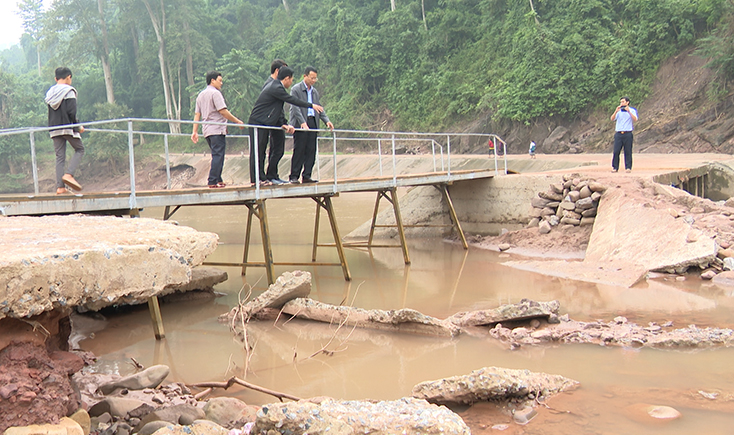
616	383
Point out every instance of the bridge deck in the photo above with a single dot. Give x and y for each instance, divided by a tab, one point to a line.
24	204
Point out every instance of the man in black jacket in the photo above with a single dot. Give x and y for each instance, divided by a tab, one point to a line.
61	101
268	111
277	137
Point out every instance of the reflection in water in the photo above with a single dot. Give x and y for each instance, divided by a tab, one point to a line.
442	280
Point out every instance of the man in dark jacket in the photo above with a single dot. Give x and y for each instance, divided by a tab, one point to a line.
304	141
268	111
277	137
61	101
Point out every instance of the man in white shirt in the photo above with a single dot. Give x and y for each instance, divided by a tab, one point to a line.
210	107
625	116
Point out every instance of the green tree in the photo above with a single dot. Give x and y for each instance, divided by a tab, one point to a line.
31	11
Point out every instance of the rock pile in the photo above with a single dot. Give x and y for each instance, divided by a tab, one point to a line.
574	201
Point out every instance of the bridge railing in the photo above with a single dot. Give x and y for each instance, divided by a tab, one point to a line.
141	147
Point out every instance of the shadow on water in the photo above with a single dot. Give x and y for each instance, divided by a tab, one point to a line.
443	279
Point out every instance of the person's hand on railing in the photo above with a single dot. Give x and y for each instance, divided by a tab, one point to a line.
318	108
330	125
304	126
288	128
81	129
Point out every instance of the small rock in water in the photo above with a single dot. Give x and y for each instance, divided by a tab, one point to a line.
709	274
504	246
710	396
500	427
620	320
663	412
523	416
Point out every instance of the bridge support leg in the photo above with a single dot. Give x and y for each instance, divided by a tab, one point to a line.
325	203
153	306
393	198
337	237
452	213
248	233
316	223
258	209
155	314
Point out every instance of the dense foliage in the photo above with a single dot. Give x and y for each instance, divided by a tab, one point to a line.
424	65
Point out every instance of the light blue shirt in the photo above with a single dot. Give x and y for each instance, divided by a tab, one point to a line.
624	120
311	112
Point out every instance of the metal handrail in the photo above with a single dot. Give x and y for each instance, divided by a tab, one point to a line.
379	136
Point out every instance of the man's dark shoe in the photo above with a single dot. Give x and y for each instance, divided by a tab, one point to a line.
309	180
294	181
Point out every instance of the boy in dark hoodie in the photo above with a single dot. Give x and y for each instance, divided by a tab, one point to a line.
61	101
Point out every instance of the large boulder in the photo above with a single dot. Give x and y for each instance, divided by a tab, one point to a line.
406	416
92	262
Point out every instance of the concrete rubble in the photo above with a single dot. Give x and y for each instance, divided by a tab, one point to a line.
404	320
407	416
92	262
631	235
524	310
492	384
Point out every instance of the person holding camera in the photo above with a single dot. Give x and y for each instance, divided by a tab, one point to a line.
625	116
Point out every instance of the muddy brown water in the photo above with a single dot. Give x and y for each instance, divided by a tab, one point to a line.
616	383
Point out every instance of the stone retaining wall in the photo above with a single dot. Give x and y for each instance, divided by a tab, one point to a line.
573	201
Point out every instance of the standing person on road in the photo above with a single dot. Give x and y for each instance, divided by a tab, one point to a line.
268	111
61	101
625	116
304	142
210	107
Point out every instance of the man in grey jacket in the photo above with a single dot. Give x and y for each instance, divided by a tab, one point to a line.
304	140
61	102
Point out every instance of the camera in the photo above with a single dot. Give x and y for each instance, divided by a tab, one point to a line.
623	109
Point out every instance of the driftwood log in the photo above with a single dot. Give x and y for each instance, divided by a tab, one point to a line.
404	320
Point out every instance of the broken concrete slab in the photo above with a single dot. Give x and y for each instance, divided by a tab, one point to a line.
407	416
203	278
92	261
492	383
638	233
524	310
404	320
289	285
618	273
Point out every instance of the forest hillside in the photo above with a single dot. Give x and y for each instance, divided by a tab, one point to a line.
548	71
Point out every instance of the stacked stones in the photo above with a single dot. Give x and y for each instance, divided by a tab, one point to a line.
571	202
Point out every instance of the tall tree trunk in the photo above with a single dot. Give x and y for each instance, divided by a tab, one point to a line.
105	54
534	13
160	30
189	55
392	5
285	5
423	11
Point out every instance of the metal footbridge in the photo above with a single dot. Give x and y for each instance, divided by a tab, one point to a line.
384	181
